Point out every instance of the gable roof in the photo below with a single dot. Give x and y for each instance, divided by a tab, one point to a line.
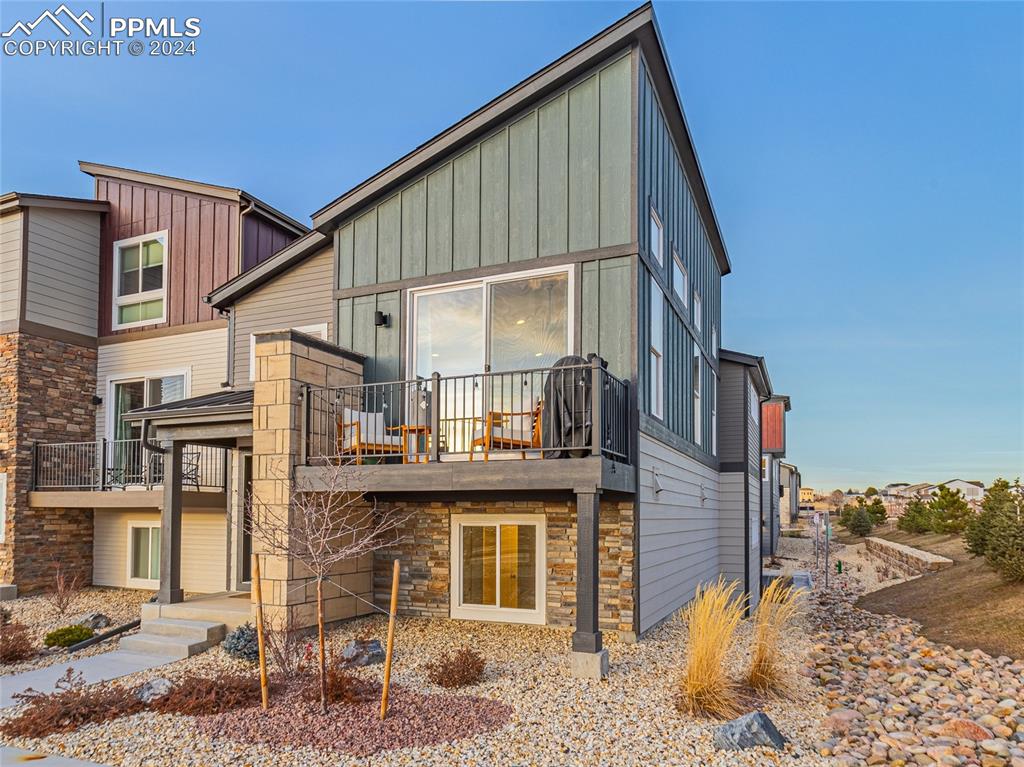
761	379
195	187
638	28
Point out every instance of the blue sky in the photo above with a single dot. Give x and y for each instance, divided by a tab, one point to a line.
866	162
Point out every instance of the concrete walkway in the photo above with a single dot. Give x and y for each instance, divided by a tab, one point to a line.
94	668
9	757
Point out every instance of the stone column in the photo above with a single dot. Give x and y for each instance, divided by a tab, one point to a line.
286	361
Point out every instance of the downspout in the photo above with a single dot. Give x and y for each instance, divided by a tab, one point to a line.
150	446
243	212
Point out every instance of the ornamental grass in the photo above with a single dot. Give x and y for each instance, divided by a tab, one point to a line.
778	607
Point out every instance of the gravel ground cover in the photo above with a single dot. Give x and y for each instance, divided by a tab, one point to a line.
120	605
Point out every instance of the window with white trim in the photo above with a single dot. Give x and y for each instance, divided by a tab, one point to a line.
657	350
317	331
680	278
755	404
697	391
698	312
764	468
714	342
714	414
144	554
140	279
3	507
657	239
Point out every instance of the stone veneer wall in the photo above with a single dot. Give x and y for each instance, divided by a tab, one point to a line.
425	555
906	559
46	389
285	360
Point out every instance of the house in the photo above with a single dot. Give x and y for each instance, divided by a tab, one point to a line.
773	450
744	386
101	314
806	496
513	334
894	489
971	490
917	490
789	493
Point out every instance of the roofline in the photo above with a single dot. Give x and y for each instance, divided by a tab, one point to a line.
639	26
784	399
195	187
750	361
14	200
295	251
165	415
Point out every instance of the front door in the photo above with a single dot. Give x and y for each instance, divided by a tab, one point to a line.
498	568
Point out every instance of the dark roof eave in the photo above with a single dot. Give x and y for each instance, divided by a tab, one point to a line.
750	360
14	200
242	413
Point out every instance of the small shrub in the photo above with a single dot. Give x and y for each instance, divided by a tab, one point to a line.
712	618
197	695
861	523
461	668
775	611
67	636
15	643
71	706
289	651
242	643
65	592
343	686
5	615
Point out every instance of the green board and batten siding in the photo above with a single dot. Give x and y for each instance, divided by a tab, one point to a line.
662	184
555	180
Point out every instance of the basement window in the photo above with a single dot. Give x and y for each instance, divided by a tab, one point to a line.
144	555
140	278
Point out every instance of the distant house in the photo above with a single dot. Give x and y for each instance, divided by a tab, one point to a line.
806	496
789	493
894	488
914	491
773	450
972	490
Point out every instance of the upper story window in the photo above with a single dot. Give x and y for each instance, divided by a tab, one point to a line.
764	468
755	404
714	415
698	426
714	342
680	279
140	279
657	353
657	239
698	312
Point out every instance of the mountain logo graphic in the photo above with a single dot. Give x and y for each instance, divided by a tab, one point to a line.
55	16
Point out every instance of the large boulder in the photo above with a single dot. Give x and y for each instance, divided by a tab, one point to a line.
362	652
748	731
154	689
93	621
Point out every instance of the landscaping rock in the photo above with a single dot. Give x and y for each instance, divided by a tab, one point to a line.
362	652
748	731
154	689
93	621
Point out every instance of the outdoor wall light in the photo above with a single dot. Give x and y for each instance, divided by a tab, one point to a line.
381	320
97	400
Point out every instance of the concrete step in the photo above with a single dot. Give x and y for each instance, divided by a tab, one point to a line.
176	648
198	631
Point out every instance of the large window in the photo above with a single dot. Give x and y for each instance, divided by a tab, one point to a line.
657	239
680	278
142	392
140	277
144	554
698	427
657	351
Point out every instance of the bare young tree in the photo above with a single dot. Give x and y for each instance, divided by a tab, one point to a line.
321	527
65	592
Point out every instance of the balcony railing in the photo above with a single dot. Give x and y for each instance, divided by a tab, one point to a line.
559	412
121	464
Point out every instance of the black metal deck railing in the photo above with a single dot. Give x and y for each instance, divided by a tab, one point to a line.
558	412
122	463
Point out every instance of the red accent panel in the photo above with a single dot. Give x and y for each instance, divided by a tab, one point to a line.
773	435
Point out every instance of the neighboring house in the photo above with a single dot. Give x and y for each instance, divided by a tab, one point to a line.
806	496
789	493
105	318
894	489
918	490
513	333
773	450
972	490
744	385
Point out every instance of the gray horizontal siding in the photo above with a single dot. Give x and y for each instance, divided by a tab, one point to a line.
555	180
62	286
678	532
301	296
754	541
732	526
10	267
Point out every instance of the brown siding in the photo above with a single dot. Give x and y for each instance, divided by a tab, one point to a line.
773	439
202	240
261	239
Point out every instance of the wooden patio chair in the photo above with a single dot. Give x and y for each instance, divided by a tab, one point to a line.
509	431
361	434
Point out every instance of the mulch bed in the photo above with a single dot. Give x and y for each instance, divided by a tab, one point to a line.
414	719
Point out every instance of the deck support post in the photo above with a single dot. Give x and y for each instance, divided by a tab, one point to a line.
170	527
589	658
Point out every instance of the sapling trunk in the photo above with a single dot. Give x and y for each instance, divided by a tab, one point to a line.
320	635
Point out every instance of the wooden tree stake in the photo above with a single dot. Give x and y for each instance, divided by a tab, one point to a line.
259	632
391	641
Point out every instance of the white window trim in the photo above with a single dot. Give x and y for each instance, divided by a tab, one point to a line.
148	295
112	381
764	467
502	614
682	292
657	356
659	253
312	330
714	414
698	395
714	341
698	312
413	296
139	583
3	507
